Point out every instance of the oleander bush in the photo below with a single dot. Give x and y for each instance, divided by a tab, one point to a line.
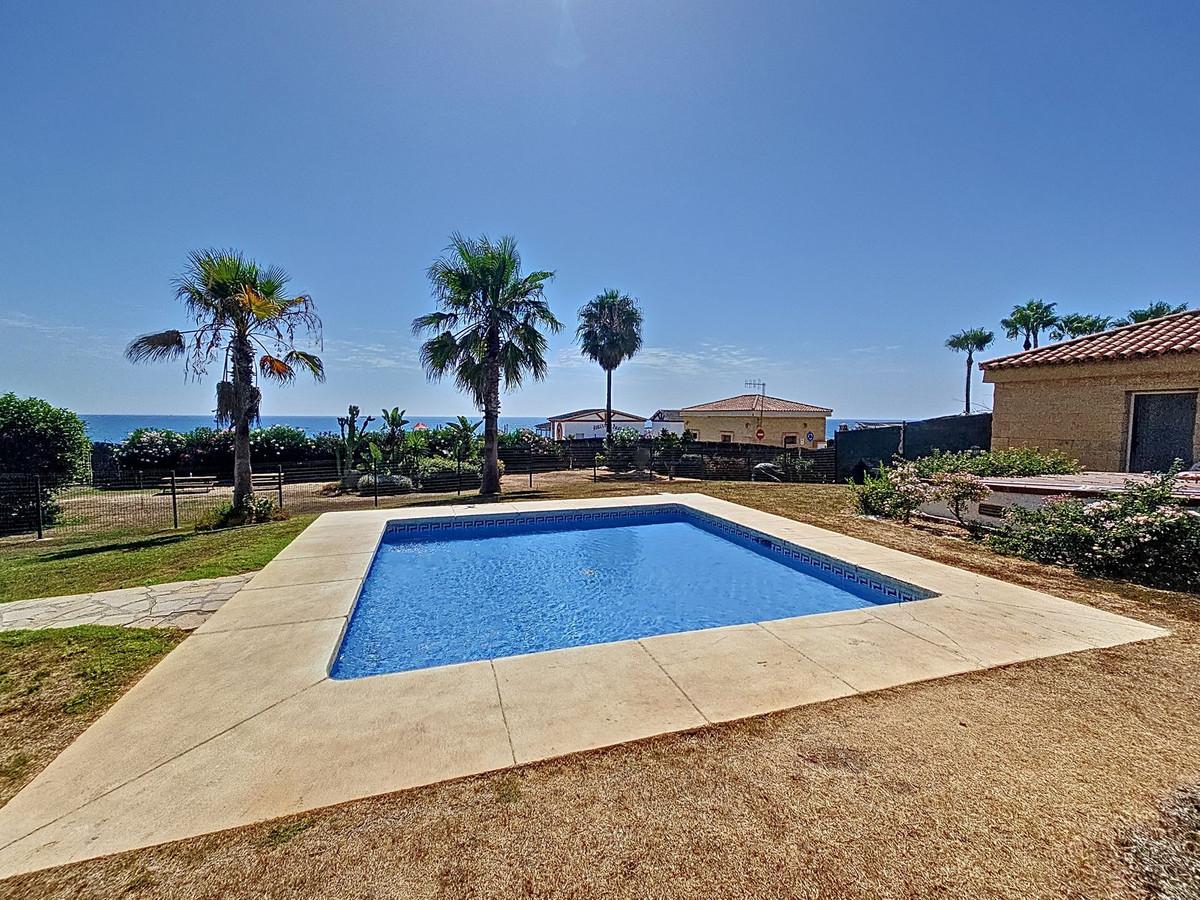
895	493
1011	462
204	448
1144	535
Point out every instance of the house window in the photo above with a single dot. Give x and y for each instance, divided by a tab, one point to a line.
726	437
791	440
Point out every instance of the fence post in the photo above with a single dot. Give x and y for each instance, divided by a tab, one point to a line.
174	502
531	465
281	485
459	460
749	471
37	500
375	479
593	468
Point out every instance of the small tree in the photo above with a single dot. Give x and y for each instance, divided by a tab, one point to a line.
37	439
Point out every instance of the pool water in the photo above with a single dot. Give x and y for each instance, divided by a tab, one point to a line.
487	589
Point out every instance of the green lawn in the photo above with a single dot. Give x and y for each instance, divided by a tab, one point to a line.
54	683
97	563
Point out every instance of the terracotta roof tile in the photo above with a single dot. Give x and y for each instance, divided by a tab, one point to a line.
755	403
1179	333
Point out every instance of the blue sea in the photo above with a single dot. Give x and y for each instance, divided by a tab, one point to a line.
115	428
111	428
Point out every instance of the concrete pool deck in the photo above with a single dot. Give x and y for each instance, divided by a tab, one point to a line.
241	722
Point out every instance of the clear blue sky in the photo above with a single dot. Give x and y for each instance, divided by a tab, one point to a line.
814	194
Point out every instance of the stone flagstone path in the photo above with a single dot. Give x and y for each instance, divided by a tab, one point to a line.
180	604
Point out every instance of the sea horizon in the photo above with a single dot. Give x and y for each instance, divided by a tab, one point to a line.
112	428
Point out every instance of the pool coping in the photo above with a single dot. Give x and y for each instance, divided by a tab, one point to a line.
242	723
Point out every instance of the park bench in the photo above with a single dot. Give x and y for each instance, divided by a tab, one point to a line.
188	484
265	481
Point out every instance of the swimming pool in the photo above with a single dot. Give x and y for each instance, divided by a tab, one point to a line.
456	590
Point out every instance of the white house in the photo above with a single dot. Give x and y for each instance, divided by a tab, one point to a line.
587	423
665	420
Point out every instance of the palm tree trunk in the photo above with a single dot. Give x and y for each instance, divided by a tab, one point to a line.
490	483
967	395
243	382
608	405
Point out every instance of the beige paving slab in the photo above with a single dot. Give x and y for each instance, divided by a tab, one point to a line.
333	542
979	632
742	670
585	697
313	570
867	652
206	685
259	607
386	733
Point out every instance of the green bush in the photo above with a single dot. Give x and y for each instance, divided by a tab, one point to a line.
1143	535
896	493
620	448
37	439
256	510
1012	462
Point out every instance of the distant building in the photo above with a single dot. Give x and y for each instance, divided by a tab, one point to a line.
665	420
1123	400
758	419
587	423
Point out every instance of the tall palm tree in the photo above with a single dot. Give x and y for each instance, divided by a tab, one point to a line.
1073	325
1029	320
240	310
609	332
487	329
971	340
1155	310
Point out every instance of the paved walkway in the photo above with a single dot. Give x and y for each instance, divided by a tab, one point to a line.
180	604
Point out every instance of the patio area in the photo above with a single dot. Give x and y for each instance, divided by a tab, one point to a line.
271	734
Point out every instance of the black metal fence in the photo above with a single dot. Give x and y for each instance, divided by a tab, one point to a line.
116	498
865	449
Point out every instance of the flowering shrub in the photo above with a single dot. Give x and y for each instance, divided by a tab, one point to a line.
149	448
958	490
1014	461
896	493
1143	535
201	448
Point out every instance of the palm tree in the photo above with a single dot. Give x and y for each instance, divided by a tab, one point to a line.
463	437
1155	310
240	309
1029	320
971	340
1074	325
609	332
486	329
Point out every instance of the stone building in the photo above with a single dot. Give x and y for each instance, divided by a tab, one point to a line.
1123	400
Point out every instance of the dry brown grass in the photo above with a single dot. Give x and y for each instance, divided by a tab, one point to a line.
1016	782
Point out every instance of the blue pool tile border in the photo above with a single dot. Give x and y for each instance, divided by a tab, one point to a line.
833	568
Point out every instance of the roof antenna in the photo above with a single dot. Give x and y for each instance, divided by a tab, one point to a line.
761	387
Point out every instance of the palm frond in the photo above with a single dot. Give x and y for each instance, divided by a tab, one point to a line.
310	361
160	345
275	369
